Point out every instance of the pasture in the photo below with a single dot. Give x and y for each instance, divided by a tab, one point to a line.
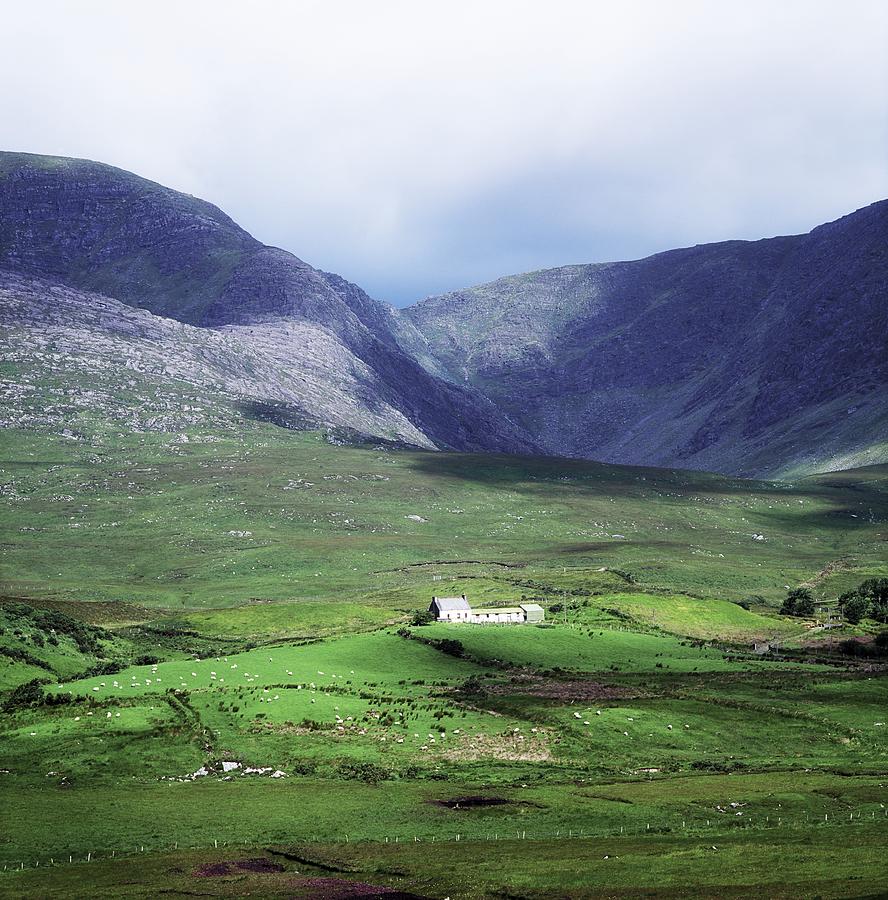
233	693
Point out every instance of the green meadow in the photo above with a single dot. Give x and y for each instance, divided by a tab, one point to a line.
214	680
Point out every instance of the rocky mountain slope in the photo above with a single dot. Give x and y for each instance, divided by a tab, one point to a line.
765	357
81	243
755	358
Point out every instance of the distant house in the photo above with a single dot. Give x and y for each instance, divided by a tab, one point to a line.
457	609
451	609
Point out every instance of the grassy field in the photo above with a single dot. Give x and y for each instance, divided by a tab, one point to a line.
233	698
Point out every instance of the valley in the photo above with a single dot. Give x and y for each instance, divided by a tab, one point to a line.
266	623
231	483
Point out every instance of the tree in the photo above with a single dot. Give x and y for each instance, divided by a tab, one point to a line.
879	612
846	597
855	608
875	589
798	602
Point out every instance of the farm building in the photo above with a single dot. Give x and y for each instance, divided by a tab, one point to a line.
450	609
500	615
533	612
457	609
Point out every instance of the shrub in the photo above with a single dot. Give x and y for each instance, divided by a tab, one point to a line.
423	617
146	660
25	695
367	772
107	667
875	589
879	612
20	655
798	602
472	685
450	646
855	608
303	767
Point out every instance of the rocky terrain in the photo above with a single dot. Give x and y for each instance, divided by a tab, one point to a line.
752	358
82	243
70	354
765	357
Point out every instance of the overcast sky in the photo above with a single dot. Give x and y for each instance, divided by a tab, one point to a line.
417	147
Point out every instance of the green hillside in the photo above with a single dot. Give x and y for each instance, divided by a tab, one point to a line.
287	517
243	594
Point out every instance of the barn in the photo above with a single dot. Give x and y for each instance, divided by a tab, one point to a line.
533	612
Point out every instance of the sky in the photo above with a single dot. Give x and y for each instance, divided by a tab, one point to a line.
418	147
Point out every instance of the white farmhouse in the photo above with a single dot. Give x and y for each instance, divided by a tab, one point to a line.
451	609
457	609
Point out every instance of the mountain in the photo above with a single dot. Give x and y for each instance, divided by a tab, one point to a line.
81	243
754	358
763	358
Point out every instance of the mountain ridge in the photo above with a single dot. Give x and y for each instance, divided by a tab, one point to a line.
693	357
743	357
101	230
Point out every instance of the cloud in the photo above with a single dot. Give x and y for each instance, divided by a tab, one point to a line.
416	147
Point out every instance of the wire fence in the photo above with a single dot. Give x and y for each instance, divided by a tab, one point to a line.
708	827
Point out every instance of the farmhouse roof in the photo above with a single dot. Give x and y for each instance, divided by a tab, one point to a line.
534	607
497	609
450	604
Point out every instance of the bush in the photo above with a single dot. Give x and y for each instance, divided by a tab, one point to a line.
855	608
86	637
20	655
450	646
25	695
472	685
798	602
875	590
146	660
879	612
423	617
107	667
361	771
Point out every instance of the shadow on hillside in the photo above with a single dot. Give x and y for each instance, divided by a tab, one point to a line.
848	507
284	415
